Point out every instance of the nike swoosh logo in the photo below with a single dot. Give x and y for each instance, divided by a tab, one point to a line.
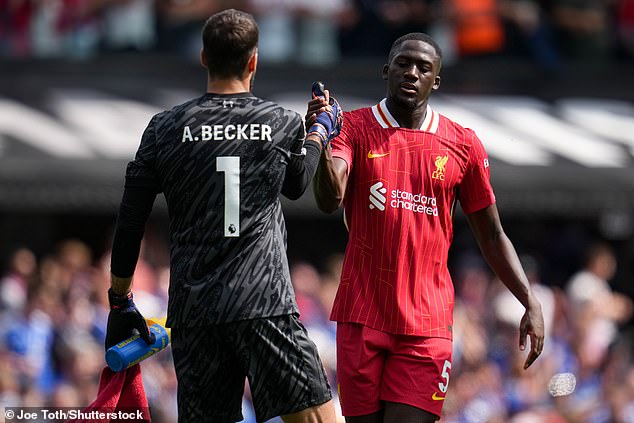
435	397
372	155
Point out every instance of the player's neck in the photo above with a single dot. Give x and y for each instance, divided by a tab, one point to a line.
406	117
228	86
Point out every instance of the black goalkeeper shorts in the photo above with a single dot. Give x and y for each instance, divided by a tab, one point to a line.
282	364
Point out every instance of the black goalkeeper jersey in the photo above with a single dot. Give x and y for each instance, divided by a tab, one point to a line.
220	161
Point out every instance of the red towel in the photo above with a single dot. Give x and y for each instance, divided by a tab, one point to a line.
121	394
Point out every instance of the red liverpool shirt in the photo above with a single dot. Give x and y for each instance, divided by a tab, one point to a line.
402	188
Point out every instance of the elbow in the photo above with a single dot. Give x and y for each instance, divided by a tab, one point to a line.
495	247
328	209
491	246
329	194
293	193
329	205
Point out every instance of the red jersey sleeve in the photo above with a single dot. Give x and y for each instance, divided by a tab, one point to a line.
475	191
342	145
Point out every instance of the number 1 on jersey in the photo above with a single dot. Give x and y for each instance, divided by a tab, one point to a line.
231	168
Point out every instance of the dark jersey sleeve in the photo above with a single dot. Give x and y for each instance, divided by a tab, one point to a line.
141	172
302	164
138	198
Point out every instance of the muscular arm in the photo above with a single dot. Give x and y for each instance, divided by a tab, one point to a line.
330	182
500	254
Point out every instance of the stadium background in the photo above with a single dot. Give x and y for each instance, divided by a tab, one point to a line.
546	85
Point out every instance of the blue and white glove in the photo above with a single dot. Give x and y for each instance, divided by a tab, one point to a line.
328	123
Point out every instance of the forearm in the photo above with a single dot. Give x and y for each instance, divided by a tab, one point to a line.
328	186
120	286
501	256
134	211
301	169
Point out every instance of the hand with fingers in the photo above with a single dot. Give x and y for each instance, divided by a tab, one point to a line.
324	116
320	98
532	326
124	320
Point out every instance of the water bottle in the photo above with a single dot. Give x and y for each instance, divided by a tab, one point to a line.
134	349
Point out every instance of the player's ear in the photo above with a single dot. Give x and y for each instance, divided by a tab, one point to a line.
384	74
436	83
203	59
253	61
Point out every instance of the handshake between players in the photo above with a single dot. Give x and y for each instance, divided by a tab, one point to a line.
324	117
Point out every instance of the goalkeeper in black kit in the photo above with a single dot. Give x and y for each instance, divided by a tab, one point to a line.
221	160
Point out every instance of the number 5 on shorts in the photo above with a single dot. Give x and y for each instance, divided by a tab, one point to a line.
445	375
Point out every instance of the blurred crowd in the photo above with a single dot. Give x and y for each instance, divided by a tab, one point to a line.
550	33
53	312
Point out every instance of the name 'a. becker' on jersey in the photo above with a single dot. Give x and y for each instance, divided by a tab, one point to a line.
220	162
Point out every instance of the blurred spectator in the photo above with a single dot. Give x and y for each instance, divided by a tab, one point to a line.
325	32
625	27
276	20
472	279
304	30
306	283
67	28
30	338
51	351
15	22
509	311
478	27
179	24
82	365
10	393
596	312
582	29
75	261
314	314
478	396
596	309
470	338
66	395
14	284
129	25
368	27
528	33
330	283
149	296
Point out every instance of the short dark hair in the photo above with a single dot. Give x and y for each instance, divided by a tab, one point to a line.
416	36
229	38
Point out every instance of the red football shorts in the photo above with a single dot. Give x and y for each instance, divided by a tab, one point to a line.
375	366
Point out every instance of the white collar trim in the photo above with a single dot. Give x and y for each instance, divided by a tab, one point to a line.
386	120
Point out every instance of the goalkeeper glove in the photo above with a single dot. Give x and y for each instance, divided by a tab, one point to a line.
123	319
328	123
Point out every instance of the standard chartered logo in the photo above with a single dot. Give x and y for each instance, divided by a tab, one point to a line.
418	203
377	196
415	202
